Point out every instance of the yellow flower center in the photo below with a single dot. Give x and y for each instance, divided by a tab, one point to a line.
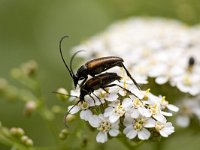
146	95
119	110
137	103
159	126
139	124
83	105
153	109
105	126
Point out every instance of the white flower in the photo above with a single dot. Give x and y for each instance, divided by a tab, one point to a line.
137	127
165	104
136	107
82	106
110	95
104	126
165	129
160	48
115	110
190	109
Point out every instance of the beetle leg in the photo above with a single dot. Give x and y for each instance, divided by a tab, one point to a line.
111	85
98	98
65	117
129	75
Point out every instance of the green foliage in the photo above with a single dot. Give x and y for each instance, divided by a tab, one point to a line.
31	30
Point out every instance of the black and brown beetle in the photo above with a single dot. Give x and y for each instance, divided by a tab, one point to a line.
94	67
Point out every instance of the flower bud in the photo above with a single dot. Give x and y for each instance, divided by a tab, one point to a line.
29	142
29	68
24	139
63	134
70	118
30	107
18	132
62	94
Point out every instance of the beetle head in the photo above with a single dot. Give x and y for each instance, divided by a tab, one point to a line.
81	74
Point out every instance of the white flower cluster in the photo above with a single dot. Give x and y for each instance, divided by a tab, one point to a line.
189	109
159	48
136	114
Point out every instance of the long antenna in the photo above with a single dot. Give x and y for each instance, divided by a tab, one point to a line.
60	48
65	94
73	59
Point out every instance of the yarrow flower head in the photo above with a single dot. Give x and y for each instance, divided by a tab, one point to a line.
163	49
154	49
135	113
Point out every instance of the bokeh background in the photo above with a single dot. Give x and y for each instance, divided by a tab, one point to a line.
32	30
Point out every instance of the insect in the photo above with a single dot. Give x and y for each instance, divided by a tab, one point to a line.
100	81
94	67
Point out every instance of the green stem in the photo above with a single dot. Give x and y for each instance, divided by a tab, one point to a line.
131	145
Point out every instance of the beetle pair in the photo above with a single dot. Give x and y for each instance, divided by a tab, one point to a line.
94	68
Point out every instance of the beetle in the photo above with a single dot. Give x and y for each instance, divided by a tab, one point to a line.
94	67
101	81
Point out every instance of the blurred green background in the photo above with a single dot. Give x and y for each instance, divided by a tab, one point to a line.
31	29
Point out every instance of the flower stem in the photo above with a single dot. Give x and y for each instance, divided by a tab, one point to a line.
131	145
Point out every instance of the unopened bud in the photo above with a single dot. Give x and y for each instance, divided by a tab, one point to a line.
18	132
30	107
70	118
29	68
24	139
62	94
63	134
29	142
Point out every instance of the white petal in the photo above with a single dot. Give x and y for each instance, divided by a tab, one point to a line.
135	113
94	121
86	114
144	112
150	123
127	103
160	117
128	120
172	108
101	137
166	113
161	80
183	121
73	110
131	134
89	100
144	134
165	132
122	92
114	132
112	97
138	93
128	129
108	112
113	118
